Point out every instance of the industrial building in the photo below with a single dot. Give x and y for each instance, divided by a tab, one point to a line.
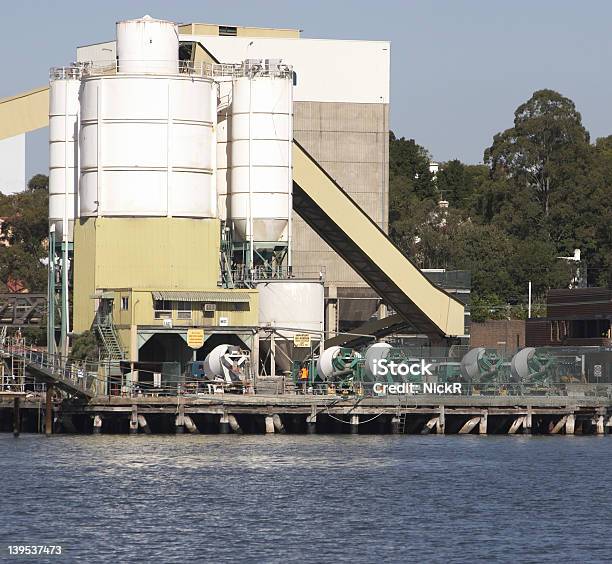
225	179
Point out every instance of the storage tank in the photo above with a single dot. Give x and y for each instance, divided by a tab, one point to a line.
261	136
293	307
297	305
148	146
63	145
147	45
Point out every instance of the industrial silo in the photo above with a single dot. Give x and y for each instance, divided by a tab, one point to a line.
147	132
64	87
261	178
288	308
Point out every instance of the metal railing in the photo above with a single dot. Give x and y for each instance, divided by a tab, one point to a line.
202	69
78	375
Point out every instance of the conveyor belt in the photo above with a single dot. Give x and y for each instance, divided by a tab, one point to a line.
345	227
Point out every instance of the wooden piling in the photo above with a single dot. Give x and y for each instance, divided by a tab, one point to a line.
559	425
134	420
49	411
395	425
224	426
354	424
527	421
16	416
516	425
441	423
97	424
484	421
269	420
469	425
570	424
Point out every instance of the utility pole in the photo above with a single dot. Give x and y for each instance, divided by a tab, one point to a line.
529	306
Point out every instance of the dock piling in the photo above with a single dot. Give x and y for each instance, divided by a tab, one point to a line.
224	425
441	423
311	421
190	425
559	425
278	423
484	420
469	425
570	424
143	424
97	425
16	416
395	425
516	425
269	424
354	424
49	411
134	420
433	422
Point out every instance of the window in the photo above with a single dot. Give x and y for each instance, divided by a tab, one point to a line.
125	303
228	30
183	310
163	309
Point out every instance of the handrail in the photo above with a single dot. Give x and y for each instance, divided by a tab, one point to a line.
204	69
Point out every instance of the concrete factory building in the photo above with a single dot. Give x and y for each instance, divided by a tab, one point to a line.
224	185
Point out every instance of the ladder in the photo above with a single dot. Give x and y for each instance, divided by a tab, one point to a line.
402	423
18	364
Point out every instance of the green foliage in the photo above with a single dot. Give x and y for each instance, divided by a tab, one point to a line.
456	183
25	228
543	191
85	347
409	170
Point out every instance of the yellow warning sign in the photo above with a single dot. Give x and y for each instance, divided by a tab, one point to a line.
301	340
195	338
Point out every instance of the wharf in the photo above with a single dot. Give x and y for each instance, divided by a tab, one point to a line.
307	413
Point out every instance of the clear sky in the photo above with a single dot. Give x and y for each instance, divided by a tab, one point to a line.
459	68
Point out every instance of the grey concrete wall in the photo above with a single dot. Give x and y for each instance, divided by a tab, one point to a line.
351	142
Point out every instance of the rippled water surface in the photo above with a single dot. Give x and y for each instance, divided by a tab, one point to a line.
308	498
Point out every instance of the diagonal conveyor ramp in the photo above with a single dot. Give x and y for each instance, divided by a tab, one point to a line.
343	225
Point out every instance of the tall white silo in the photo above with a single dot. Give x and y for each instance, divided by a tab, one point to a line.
147	139
261	136
147	45
64	87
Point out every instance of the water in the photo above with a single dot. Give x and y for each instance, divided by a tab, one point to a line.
308	498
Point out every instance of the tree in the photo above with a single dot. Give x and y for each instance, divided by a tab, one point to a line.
455	183
25	229
39	182
409	169
412	190
85	347
547	156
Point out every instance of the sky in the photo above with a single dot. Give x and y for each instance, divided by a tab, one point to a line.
459	68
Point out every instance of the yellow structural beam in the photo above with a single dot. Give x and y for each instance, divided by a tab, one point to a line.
345	227
25	112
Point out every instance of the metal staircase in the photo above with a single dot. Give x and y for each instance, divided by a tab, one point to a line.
105	328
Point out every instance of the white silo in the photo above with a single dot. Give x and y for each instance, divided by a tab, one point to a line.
261	136
64	87
146	45
147	139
